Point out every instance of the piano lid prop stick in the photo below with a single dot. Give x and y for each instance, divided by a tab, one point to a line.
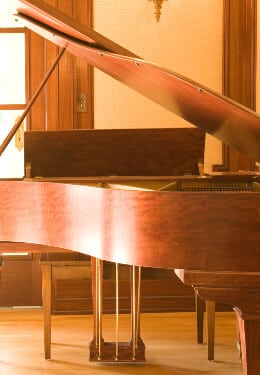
117	310
17	124
134	312
99	307
138	306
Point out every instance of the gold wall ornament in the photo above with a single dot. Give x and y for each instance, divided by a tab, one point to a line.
158	6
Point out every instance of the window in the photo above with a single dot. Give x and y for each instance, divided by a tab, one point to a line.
12	95
12	90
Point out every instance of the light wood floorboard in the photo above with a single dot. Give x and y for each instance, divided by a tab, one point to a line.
170	339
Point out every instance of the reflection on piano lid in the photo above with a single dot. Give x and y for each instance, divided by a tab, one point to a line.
227	120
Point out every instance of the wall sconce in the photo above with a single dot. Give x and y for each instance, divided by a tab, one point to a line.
158	7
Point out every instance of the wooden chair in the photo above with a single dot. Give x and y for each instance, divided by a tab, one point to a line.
53	270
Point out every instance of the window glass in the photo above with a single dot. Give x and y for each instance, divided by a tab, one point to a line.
7	10
12	68
12	159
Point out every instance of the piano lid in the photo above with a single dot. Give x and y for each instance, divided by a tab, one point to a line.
225	119
50	16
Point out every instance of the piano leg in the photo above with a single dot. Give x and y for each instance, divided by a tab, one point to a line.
107	351
242	291
249	332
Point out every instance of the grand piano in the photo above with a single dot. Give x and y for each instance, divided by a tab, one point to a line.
208	234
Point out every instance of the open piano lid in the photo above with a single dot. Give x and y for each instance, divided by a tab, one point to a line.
218	115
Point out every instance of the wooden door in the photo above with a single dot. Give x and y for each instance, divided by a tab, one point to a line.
239	69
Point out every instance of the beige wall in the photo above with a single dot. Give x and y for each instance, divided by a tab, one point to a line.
187	40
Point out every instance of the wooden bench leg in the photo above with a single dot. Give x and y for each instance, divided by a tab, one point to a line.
46	299
200	308
210	311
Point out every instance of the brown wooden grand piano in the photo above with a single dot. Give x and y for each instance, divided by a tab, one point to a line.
207	233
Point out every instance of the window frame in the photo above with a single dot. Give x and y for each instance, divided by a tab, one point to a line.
16	106
15	30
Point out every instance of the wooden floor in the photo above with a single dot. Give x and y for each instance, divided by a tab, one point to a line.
170	340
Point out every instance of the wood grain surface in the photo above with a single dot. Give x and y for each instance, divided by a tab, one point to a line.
210	230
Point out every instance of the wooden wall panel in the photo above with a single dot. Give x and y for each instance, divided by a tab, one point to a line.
66	87
239	67
161	291
21	282
83	73
56	107
52	88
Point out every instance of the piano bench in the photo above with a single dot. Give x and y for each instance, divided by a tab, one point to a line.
187	276
51	272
